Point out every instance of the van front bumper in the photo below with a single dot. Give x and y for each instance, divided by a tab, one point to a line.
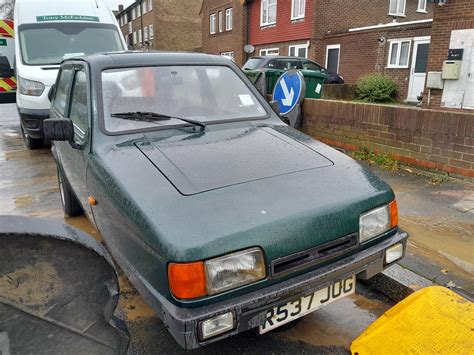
250	310
32	121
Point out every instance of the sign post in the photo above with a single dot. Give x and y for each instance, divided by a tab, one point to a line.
289	94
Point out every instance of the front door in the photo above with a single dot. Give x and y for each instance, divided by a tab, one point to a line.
418	68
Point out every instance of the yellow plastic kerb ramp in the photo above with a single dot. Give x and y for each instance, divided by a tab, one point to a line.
433	320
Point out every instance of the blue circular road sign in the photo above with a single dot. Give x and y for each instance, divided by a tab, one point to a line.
289	91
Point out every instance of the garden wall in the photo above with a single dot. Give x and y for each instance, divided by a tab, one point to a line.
429	138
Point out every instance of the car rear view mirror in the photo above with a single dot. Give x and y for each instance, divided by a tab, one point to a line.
58	129
51	92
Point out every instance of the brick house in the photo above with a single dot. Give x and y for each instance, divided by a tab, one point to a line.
453	28
162	24
349	37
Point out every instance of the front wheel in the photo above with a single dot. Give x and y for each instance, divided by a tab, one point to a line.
31	143
71	205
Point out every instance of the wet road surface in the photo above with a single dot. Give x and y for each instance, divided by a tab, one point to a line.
28	187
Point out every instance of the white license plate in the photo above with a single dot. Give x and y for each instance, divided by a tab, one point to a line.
300	307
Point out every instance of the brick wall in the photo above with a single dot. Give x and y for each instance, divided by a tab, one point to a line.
456	15
429	138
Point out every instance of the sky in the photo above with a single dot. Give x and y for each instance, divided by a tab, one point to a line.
113	4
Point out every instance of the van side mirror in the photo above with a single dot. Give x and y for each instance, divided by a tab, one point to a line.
58	129
276	107
51	92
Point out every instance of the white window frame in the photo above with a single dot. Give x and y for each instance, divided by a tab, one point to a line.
139	11
229	55
266	22
228	19
399	50
135	37
150	5
150	30
422	6
212	23
220	20
144	7
299	15
399	10
130	29
139	36
133	14
264	51
333	46
145	34
297	47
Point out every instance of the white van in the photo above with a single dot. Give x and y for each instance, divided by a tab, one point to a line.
47	32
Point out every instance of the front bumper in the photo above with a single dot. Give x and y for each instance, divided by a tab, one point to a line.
32	121
250	310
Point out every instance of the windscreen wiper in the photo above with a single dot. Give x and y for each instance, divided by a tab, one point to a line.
145	116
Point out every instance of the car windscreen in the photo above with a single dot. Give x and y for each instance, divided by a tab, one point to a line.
253	63
203	93
51	43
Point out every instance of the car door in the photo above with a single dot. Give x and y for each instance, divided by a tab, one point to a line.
74	155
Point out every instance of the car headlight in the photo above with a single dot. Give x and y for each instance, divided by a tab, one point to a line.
234	270
378	221
30	87
197	279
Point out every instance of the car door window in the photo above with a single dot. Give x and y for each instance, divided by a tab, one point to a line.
78	112
287	64
62	91
271	64
309	65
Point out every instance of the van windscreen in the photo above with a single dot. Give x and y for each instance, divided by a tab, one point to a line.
51	43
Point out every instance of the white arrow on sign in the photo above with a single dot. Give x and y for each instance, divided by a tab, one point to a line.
289	95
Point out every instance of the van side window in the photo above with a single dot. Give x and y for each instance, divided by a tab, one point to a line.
309	65
271	64
62	91
78	112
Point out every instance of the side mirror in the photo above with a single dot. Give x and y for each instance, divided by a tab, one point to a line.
51	92
276	107
58	129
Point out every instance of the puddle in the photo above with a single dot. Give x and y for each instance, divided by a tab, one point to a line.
131	304
82	223
450	238
339	323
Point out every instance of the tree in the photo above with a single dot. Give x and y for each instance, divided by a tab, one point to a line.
6	9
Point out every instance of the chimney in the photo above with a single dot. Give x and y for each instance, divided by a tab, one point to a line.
120	8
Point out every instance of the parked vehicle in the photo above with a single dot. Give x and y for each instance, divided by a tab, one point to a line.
287	63
7	54
47	33
223	217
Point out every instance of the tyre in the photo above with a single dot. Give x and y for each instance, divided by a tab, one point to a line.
71	205
31	143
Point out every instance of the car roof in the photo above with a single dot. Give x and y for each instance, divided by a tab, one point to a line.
280	57
149	58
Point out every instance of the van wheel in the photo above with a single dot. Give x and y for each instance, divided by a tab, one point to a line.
31	143
69	201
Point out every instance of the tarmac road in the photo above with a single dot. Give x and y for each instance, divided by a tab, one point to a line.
28	187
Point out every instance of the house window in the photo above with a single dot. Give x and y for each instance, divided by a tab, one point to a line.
133	14
228	19
150	5
332	58
270	51
139	36
130	27
150	30
135	37
229	55
421	6
397	8
145	33
212	23
299	50
399	53
268	12
144	10
297	9
220	21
